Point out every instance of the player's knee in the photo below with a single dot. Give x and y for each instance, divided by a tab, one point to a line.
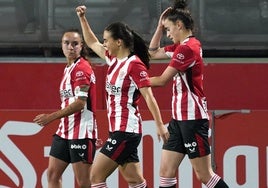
53	176
83	183
95	179
167	172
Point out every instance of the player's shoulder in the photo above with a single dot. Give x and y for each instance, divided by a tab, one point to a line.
83	63
84	66
136	63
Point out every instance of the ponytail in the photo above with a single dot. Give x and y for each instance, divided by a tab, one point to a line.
132	40
141	49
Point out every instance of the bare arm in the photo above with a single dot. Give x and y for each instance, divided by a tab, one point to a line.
154	48
43	119
90	38
154	109
76	106
164	78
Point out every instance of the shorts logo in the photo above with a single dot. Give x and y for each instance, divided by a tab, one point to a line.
113	142
78	146
191	146
109	148
81	154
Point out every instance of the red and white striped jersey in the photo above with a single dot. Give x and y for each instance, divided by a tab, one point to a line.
81	124
188	100
124	78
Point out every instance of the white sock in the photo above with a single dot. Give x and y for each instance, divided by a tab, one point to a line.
213	181
167	182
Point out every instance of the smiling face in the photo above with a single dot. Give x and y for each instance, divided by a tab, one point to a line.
71	45
111	44
173	30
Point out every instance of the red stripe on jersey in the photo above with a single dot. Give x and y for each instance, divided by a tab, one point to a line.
66	123
77	120
184	101
125	112
124	78
112	115
188	100
81	124
112	97
175	100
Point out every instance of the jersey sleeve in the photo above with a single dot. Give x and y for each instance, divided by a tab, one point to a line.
169	50
140	74
82	76
183	58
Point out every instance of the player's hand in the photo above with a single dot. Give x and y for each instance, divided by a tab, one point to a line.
162	133
81	10
99	142
42	119
160	21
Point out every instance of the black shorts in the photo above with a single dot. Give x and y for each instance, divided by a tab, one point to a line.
188	137
72	151
121	147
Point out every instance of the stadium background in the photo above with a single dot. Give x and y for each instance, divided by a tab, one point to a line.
235	42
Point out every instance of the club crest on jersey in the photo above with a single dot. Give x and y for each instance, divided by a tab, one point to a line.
122	74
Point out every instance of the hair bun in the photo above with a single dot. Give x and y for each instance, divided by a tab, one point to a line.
180	4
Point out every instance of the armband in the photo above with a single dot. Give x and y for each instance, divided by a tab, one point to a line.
153	49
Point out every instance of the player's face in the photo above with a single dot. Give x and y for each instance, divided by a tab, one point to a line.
110	43
71	45
172	30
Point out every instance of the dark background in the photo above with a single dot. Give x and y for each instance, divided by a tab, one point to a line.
229	28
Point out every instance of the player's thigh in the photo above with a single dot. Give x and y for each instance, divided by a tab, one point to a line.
102	167
170	161
81	170
56	167
131	172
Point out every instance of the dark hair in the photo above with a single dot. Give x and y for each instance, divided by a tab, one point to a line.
84	52
132	40
179	12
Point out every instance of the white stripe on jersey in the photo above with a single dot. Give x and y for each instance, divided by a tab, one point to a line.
80	124
187	104
192	100
132	121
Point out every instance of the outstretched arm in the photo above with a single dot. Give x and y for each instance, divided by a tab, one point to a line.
76	106
162	131
155	50
90	38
